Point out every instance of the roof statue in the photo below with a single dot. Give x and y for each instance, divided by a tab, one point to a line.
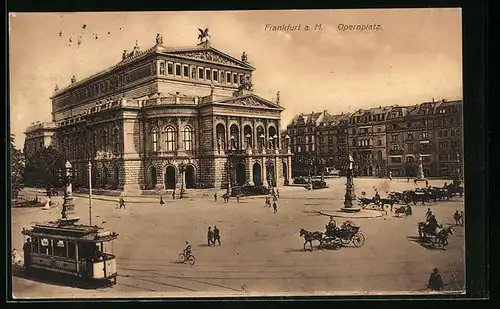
244	57
278	98
124	55
73	79
159	39
245	82
136	47
203	36
56	88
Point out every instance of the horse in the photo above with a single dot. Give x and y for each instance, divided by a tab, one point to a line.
442	236
406	210
226	197
363	201
310	236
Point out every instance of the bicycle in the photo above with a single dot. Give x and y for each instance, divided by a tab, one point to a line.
190	259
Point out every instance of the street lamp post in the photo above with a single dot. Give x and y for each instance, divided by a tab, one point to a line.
90	192
350	195
67	176
269	165
229	169
288	148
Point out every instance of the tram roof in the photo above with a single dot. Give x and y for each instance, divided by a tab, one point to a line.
68	229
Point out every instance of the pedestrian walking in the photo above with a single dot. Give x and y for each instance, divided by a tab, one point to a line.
456	216
275	207
407	179
462	218
173	194
435	281
215	197
238	198
277	193
121	202
161	201
390	175
216	235
428	213
210	237
426	183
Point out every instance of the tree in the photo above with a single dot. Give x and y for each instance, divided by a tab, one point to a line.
17	168
42	167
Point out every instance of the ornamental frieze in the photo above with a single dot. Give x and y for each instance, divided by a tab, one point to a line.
210	56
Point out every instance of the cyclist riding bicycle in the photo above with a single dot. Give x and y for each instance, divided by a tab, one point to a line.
187	250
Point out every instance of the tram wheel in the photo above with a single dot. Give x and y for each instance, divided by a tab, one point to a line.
191	260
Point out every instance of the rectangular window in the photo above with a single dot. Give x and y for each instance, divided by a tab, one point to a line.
409	147
426	159
200	73
228	77
396	160
235	78
409	136
395	137
170	69
425	134
177	69
207	74
379	143
395	147
185	71
215	75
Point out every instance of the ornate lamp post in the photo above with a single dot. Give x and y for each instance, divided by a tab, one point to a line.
288	148
309	179
182	170
67	176
350	195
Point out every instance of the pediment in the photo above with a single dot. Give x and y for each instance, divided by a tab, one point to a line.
252	101
212	55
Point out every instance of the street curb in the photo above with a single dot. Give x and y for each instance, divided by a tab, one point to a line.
351	216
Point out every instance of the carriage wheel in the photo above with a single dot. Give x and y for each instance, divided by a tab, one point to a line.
345	240
191	260
358	240
181	257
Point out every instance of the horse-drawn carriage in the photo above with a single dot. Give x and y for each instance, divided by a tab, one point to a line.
334	237
406	210
436	235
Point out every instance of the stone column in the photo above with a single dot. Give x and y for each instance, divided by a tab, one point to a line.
255	138
180	144
289	167
249	168
242	139
228	135
263	173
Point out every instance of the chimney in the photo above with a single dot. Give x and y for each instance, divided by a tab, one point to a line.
432	100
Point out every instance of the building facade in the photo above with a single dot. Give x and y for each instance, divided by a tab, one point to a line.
389	139
39	135
166	118
367	141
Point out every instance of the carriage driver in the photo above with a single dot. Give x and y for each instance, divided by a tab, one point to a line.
330	227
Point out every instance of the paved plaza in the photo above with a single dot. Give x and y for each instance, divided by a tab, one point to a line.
261	252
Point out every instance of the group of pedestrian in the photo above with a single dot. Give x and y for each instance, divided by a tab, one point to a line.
459	218
213	236
274	197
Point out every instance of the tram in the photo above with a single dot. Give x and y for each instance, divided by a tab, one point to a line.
70	248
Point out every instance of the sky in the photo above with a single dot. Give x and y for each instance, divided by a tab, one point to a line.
414	55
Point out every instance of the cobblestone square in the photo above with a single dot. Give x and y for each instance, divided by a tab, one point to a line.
261	252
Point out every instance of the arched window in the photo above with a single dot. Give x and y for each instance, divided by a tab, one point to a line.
95	142
188	138
105	140
154	140
440	133
116	140
445	133
169	138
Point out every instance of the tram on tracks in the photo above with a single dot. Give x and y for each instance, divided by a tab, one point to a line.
66	247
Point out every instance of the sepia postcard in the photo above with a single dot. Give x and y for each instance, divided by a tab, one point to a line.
237	153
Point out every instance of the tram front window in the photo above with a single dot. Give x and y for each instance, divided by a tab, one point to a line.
35	244
71	250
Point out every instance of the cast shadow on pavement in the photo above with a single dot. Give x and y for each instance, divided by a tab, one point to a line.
48	277
427	245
